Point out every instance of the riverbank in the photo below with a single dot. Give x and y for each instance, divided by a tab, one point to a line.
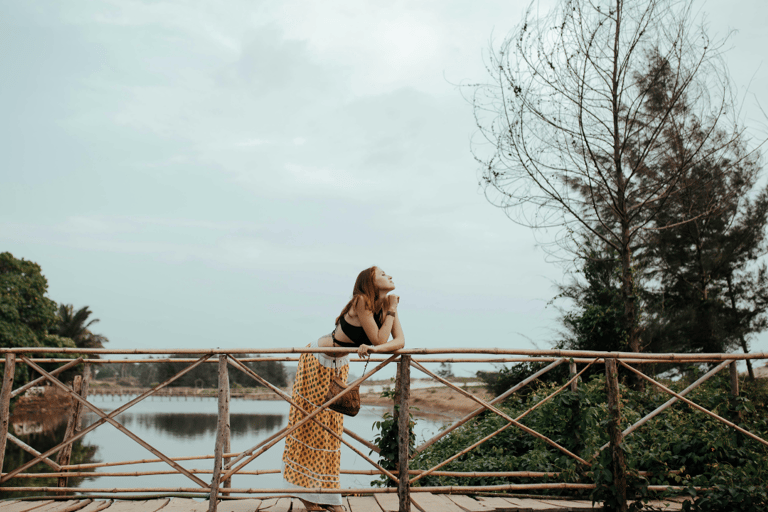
438	400
429	397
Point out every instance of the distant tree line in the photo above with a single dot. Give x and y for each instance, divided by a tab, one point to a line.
204	375
29	318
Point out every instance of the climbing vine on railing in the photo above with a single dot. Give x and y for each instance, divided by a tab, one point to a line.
387	441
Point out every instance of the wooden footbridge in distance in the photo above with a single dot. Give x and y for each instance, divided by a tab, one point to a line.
218	493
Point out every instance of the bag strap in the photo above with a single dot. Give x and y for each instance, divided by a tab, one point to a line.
338	370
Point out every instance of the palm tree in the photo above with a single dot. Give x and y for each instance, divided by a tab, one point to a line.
72	324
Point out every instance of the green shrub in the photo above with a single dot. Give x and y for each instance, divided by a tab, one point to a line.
680	447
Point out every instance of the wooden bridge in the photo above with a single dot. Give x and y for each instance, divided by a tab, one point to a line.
221	496
425	502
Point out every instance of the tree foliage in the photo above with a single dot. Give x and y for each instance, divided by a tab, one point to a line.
204	375
27	315
75	326
595	321
579	134
500	381
698	283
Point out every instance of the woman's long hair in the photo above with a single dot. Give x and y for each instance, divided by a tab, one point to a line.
365	289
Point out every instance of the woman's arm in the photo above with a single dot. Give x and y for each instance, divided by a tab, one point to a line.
396	343
377	335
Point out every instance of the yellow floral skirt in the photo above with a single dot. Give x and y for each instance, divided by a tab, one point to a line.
312	456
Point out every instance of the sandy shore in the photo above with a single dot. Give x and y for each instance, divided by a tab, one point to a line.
429	397
438	401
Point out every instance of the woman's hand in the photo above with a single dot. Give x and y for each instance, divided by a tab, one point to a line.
392	302
363	351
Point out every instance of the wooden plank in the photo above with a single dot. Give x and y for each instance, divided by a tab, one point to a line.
181	505
664	505
536	505
467	503
388	502
155	505
363	504
587	504
429	502
280	505
248	505
56	506
574	505
23	506
78	505
127	506
96	506
268	504
498	504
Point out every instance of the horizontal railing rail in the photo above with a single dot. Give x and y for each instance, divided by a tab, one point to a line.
227	463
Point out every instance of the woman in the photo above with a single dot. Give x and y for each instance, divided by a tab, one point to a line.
312	455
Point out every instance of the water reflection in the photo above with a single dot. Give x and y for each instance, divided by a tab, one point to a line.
82	453
41	410
191	425
39	419
181	428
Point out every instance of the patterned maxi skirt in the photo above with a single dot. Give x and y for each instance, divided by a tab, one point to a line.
312	455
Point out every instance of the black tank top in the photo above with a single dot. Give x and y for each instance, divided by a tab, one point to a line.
355	333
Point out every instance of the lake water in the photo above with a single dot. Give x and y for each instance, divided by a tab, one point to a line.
179	428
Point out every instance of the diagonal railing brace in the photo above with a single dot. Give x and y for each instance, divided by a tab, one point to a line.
502	414
695	405
109	418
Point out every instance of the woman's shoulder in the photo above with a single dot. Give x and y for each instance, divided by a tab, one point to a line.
359	302
356	305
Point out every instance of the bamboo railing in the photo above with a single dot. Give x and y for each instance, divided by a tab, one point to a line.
226	463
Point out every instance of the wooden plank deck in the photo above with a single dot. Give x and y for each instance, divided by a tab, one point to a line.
421	502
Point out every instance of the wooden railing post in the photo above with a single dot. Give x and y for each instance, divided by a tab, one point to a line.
402	399
5	402
618	464
80	386
573	371
227	448
72	425
735	386
221	429
734	379
85	390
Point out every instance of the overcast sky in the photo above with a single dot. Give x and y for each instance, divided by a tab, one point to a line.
216	174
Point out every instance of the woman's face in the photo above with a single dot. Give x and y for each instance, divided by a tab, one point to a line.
383	282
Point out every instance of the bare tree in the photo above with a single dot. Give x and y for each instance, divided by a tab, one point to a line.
575	134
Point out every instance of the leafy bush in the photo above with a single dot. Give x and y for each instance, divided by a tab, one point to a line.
502	380
680	447
387	441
